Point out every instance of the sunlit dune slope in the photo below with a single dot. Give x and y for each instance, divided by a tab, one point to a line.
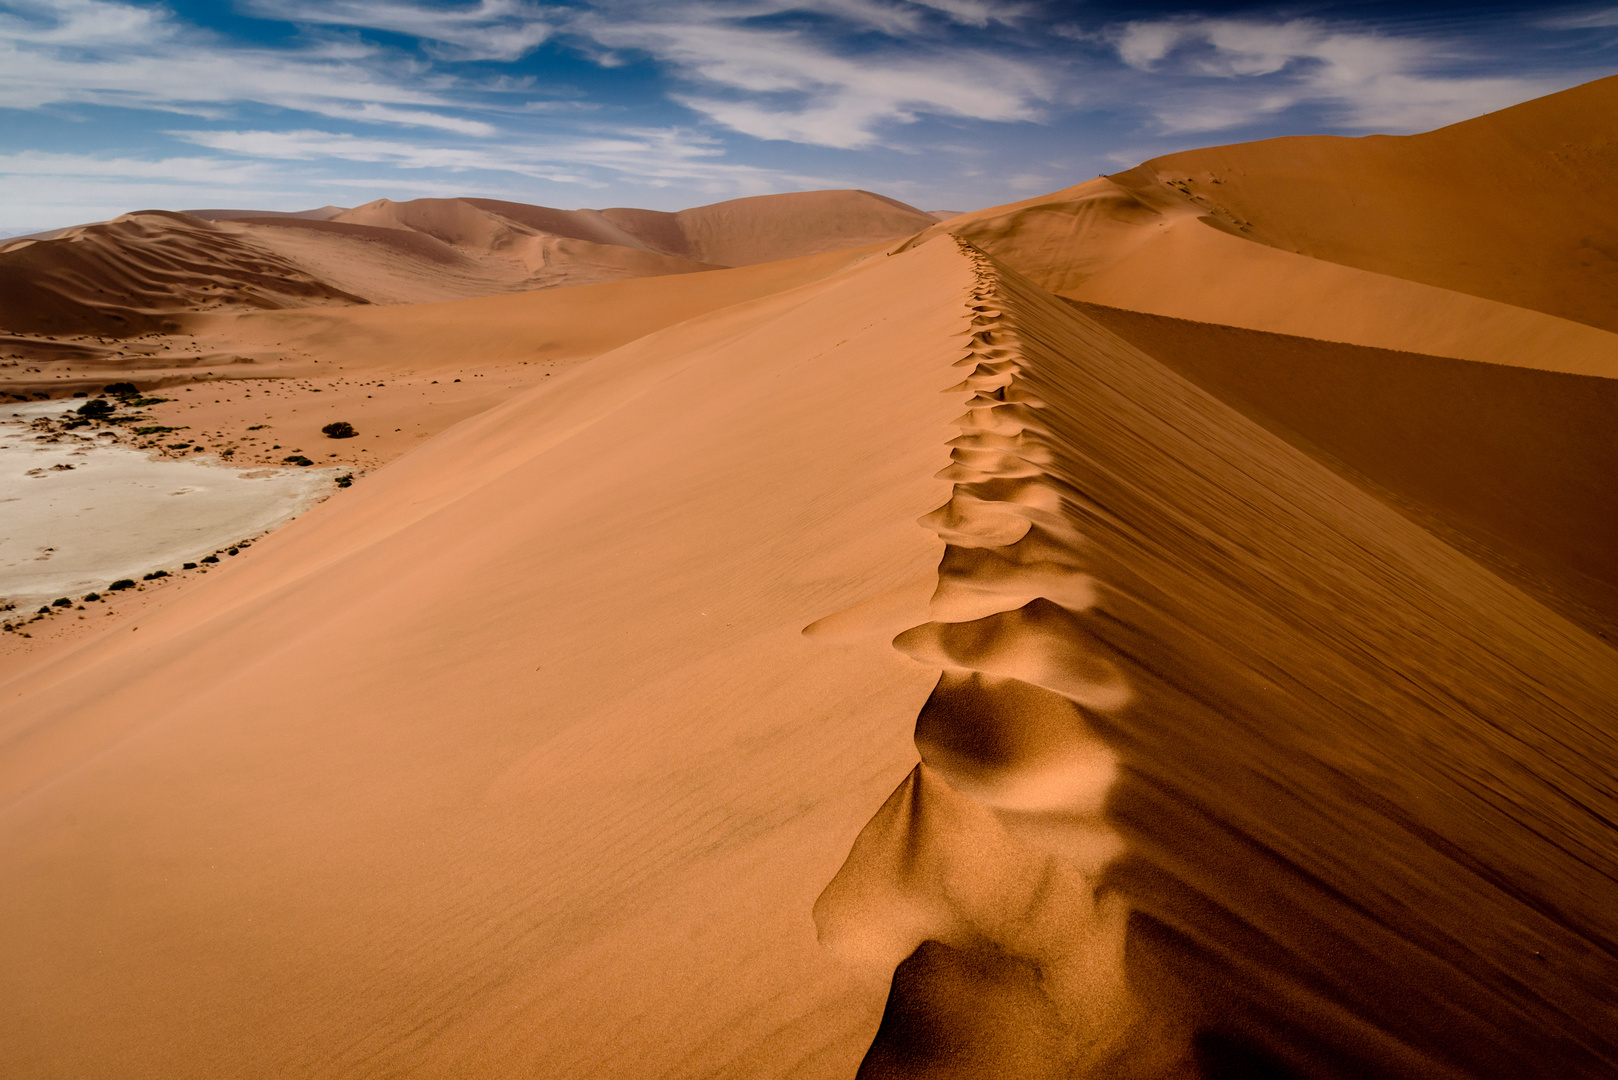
734	233
485	331
1515	206
531	753
511	760
1505	265
130	276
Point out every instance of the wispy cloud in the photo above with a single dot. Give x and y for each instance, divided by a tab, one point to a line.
1223	73
487	30
101	52
786	84
652	156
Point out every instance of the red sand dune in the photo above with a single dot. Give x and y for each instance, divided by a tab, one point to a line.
1089	639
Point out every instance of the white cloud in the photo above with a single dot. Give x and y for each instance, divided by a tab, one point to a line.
1589	20
102	52
645	155
1260	68
782	84
487	30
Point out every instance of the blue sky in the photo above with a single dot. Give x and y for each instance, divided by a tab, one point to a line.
114	105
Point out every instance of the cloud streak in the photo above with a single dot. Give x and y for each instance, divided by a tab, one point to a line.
1235	72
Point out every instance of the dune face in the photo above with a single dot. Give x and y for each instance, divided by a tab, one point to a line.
1148	631
1512	206
123	277
1482	241
133	276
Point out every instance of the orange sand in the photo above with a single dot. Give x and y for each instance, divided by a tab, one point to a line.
1160	629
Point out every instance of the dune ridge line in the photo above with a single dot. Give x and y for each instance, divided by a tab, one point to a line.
979	884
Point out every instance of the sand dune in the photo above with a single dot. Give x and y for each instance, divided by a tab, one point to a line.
133	275
1147	247
1512	206
1134	632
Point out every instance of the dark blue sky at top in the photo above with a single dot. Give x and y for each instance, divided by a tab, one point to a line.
112	105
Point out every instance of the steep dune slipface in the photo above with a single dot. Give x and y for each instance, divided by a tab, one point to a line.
1149	247
1515	206
1491	240
1519	468
1232	770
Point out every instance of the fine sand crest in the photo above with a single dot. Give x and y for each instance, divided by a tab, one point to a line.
978	882
1345	804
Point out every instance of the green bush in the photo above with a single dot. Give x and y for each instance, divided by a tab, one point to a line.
121	389
342	429
96	409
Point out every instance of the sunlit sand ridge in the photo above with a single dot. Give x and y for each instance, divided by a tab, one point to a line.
1136	632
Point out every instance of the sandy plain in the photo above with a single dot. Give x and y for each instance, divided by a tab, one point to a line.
1161	629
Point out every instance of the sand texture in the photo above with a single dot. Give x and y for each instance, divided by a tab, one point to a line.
1162	629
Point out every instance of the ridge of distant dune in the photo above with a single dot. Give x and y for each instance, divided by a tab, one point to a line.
131	276
126	276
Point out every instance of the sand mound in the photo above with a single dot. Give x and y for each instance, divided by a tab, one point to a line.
1481	241
125	276
893	665
1513	206
130	276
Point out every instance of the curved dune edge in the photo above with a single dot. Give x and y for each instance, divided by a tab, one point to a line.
1231	769
1130	242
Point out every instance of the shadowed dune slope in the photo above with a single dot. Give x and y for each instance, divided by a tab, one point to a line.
511	760
1489	238
1514	206
1232	769
125	276
1520	467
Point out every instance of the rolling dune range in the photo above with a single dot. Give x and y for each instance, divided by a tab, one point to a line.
1161	629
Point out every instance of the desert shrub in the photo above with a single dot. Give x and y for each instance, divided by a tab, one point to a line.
96	408
210	558
179	446
155	574
297	459
61	601
189	566
43	611
121	584
90	597
154	429
342	429
121	389
346	480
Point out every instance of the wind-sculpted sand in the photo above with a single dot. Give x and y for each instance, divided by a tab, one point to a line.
1131	633
1343	787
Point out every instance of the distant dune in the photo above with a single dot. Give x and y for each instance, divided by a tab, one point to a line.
1161	629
